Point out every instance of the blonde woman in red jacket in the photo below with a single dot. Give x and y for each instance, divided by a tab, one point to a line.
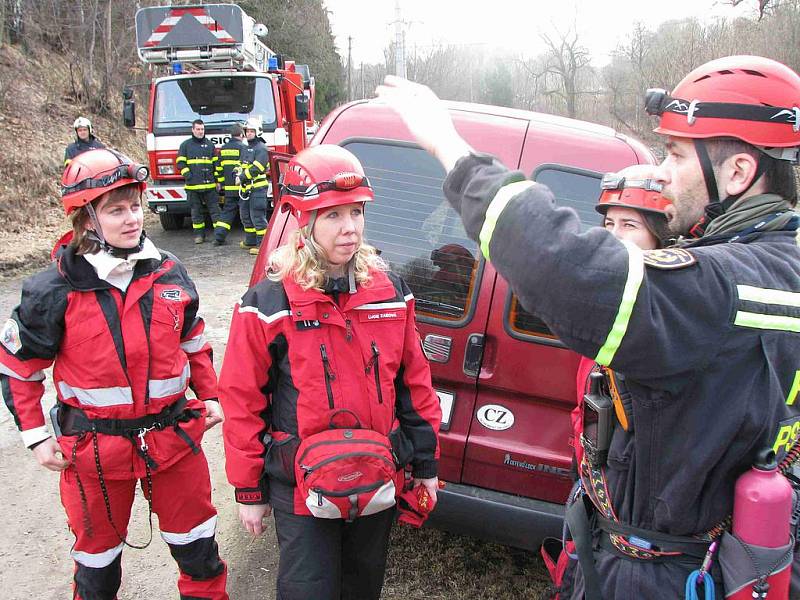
327	391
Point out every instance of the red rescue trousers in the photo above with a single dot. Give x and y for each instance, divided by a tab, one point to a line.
181	497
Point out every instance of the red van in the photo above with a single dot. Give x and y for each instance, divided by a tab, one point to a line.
505	382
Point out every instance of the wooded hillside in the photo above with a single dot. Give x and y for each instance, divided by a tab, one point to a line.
60	59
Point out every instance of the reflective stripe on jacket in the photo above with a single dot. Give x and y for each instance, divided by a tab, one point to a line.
256	165
197	162
115	356
230	159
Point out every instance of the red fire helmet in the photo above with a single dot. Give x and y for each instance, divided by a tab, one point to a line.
91	174
640	194
321	177
750	98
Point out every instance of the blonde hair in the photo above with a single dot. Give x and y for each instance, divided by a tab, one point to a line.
308	266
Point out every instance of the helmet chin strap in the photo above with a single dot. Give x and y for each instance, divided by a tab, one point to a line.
715	206
96	235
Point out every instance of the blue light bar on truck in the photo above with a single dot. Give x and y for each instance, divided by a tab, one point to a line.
177	68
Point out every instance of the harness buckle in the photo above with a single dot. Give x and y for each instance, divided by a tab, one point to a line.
142	432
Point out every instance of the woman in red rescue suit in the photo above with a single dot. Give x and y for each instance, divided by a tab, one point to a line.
327	392
118	320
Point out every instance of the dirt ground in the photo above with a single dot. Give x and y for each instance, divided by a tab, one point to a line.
34	552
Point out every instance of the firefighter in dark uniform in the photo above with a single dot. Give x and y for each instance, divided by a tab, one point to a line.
197	160
228	169
704	334
255	181
84	140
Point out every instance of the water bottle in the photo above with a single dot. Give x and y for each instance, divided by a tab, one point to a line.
762	508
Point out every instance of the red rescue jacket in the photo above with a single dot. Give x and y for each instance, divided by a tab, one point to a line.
296	357
117	356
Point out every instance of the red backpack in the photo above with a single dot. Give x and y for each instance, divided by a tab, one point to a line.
345	473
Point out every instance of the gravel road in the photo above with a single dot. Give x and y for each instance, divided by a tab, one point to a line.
35	563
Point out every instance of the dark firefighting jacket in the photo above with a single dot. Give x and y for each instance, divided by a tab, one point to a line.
79	147
115	356
295	357
230	162
706	338
255	163
197	162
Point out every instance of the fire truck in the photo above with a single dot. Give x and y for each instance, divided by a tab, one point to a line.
209	62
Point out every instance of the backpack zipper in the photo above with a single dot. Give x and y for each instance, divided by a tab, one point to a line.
329	374
308	470
330	442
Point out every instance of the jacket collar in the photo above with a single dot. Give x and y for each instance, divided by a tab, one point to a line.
381	288
82	276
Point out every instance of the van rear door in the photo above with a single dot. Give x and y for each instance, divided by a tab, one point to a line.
423	240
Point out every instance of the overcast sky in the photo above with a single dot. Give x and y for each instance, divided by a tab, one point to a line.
507	24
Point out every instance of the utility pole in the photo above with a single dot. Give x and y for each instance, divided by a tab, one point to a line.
363	89
349	67
399	42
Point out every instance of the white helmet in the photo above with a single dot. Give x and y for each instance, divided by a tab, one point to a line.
83	122
253	123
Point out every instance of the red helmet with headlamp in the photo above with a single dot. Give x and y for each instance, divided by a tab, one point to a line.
754	99
91	174
639	194
321	177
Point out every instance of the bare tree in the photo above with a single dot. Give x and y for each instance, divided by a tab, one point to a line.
566	59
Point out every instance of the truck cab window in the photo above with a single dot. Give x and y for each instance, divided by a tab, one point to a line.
416	231
219	101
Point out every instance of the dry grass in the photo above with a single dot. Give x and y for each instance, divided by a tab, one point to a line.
36	114
427	564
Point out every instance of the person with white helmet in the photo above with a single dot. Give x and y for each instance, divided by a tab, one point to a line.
701	338
253	209
84	140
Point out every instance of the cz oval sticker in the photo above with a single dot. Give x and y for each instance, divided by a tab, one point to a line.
496	417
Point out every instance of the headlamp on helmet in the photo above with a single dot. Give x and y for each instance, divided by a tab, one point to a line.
639	194
750	98
91	174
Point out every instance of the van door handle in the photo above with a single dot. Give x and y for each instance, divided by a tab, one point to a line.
473	354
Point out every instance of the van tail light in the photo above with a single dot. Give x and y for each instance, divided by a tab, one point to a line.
437	347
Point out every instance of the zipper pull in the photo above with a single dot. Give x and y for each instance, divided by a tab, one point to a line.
319	498
348	330
326	363
375	352
176	319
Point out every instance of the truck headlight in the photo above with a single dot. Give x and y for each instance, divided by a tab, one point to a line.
166	169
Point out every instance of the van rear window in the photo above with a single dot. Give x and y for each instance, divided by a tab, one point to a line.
416	230
578	189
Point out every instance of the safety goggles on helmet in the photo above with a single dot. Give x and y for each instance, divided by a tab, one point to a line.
321	177
639	194
342	182
138	173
